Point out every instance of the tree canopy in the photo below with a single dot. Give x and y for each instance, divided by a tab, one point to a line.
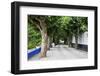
54	28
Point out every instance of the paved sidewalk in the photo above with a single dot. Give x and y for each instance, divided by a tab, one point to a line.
60	52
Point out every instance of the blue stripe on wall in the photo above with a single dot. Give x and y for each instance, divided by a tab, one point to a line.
34	52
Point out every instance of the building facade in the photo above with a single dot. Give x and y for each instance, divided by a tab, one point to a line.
82	41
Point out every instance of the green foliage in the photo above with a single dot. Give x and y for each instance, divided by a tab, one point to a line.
58	28
34	37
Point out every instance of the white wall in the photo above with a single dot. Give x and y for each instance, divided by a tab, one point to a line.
5	33
82	38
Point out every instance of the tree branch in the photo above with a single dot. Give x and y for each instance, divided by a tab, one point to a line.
42	22
37	25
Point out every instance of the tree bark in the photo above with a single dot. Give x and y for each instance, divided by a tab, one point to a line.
49	43
41	25
69	41
65	40
76	41
76	38
44	45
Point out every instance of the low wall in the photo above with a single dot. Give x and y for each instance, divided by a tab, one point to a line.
81	46
82	41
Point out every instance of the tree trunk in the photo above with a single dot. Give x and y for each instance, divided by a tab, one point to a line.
65	40
69	41
49	43
76	41
76	38
41	25
44	44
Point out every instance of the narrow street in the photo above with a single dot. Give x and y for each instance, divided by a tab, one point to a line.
61	52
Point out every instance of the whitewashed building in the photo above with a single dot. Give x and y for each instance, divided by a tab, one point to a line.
82	41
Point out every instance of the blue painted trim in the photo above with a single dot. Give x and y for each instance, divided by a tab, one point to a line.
34	52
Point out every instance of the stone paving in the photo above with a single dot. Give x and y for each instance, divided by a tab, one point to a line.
61	52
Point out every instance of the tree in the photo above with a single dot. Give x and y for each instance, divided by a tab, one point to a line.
79	25
40	22
53	29
66	30
73	26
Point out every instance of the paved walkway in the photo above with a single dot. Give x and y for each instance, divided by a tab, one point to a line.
60	52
